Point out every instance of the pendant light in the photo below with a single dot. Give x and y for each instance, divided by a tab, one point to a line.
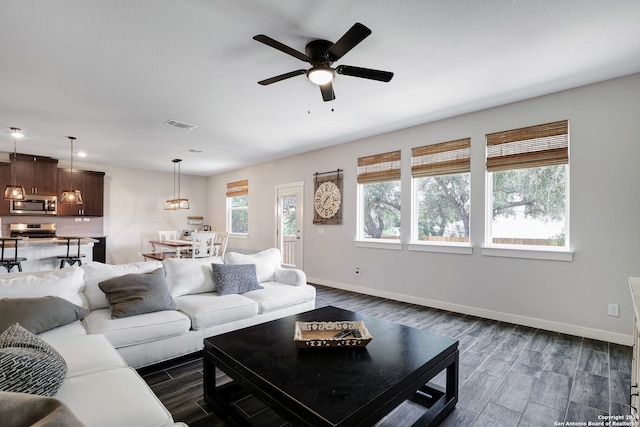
176	203
14	191
72	196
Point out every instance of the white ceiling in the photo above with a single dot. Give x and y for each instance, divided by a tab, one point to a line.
112	72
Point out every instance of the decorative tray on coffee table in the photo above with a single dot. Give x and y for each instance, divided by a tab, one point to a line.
348	333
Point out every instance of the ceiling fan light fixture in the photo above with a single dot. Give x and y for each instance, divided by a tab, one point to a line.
321	74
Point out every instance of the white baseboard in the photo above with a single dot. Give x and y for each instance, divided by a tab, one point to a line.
533	322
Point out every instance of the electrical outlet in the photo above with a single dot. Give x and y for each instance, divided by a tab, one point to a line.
357	271
613	309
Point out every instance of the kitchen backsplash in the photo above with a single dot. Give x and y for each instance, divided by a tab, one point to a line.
65	226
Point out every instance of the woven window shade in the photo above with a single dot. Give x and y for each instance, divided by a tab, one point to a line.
238	188
379	167
445	158
535	146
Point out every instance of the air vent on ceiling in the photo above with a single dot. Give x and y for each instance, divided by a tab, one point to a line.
181	125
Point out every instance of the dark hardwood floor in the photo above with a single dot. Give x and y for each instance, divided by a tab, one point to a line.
510	375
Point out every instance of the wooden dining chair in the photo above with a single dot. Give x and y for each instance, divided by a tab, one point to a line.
203	244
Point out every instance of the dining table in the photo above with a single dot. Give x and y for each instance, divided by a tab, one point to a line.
178	246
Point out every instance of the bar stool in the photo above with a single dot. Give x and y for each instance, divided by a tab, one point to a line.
10	262
71	258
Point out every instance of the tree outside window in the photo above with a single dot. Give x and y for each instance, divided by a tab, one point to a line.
443	208
239	214
379	196
441	186
381	210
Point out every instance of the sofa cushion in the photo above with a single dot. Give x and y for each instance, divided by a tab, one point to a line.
275	296
73	329
141	293
39	314
266	262
20	409
116	397
88	353
211	309
96	272
235	279
66	283
189	276
28	364
137	329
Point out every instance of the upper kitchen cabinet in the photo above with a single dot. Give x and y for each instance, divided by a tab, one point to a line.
90	183
37	174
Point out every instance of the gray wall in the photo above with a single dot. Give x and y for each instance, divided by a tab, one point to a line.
569	297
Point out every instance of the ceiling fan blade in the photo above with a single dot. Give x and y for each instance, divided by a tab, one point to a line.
365	73
327	92
348	41
281	77
281	47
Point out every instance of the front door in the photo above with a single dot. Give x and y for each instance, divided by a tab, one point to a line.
289	227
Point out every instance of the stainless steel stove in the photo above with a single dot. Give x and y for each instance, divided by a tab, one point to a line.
33	230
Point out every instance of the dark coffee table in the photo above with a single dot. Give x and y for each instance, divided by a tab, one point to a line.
332	386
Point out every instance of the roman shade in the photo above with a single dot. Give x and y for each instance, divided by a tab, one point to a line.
445	158
534	146
379	167
238	188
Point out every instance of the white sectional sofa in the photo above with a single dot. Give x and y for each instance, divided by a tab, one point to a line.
101	387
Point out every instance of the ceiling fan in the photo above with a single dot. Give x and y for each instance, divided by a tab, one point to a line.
321	54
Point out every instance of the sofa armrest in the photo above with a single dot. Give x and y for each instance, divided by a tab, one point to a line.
290	276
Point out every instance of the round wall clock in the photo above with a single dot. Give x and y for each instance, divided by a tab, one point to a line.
327	199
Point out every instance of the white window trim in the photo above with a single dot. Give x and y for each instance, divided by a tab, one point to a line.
533	252
395	245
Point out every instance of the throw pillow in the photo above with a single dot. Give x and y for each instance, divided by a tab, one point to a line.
235	279
96	272
133	294
67	283
20	409
266	262
28	364
39	314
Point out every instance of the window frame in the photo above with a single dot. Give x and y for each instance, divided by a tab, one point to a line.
542	252
447	158
236	189
377	168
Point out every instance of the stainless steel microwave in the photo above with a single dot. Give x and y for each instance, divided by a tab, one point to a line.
35	205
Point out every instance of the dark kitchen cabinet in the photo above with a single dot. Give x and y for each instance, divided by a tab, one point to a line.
5	178
90	183
37	174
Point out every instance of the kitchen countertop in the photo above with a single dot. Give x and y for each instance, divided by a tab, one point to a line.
51	241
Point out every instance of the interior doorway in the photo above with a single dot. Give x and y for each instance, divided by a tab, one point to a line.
289	235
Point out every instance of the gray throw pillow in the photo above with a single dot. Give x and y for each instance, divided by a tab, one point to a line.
39	314
133	294
235	279
28	364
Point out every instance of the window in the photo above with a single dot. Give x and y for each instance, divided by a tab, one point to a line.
379	196
441	181
528	186
238	207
